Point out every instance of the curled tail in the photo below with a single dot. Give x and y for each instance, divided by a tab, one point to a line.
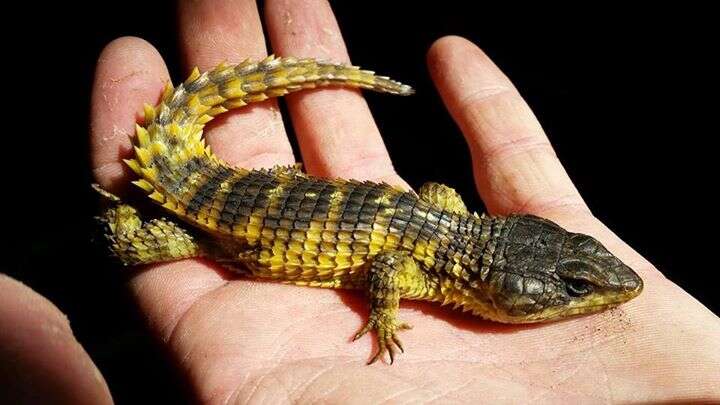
171	157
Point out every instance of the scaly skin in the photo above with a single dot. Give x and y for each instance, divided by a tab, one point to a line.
284	225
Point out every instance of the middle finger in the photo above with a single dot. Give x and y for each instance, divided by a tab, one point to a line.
335	129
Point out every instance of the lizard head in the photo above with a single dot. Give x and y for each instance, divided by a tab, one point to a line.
547	273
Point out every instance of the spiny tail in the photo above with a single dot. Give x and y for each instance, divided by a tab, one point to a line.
171	157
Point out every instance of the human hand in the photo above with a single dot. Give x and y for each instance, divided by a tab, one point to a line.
238	339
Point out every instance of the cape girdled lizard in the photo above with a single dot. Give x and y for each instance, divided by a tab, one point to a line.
282	224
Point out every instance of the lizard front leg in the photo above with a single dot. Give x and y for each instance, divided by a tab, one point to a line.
443	197
391	276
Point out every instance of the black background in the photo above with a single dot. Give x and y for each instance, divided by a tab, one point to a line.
625	96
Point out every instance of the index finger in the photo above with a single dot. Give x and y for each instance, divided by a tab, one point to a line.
129	72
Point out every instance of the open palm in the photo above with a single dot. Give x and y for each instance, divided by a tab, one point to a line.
239	339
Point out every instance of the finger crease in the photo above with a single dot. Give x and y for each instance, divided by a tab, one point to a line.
265	160
379	162
484	94
523	145
568	202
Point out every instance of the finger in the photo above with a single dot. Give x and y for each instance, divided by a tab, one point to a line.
212	32
40	360
129	72
336	132
516	169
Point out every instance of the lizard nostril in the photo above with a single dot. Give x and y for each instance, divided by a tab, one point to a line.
634	284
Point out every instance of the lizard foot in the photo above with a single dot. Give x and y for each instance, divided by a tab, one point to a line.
386	328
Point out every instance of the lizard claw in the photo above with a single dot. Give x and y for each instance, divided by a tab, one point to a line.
387	338
398	343
364	330
403	326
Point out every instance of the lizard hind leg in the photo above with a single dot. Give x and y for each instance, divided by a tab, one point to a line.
443	197
391	276
135	241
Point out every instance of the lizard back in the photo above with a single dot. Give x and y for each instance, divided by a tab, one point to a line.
314	229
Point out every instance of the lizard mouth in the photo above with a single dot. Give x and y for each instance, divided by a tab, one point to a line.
598	301
589	293
593	302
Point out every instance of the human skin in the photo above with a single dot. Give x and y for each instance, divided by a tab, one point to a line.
237	340
40	359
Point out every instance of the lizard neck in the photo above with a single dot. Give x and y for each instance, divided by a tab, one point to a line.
470	249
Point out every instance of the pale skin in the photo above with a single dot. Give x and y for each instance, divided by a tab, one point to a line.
237	340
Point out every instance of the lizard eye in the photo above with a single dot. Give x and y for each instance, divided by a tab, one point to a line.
578	288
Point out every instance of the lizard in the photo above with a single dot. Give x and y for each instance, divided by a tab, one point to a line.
285	225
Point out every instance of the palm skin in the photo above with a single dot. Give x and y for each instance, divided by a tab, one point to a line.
238	340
